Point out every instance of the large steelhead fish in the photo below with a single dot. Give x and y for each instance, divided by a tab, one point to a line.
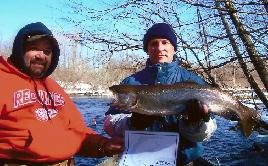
171	99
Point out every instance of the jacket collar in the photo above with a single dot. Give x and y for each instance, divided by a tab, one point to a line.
165	66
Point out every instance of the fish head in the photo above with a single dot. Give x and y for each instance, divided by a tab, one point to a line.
125	99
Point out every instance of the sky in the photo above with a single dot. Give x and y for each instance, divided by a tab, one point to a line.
14	14
17	13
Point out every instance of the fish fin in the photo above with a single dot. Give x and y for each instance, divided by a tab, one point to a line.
124	89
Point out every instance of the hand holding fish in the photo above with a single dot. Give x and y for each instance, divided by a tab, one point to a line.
196	111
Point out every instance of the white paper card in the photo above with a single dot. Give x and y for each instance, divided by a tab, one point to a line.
150	148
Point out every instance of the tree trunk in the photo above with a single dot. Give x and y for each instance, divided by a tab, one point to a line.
242	63
251	50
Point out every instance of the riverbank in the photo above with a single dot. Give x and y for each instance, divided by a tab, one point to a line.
83	89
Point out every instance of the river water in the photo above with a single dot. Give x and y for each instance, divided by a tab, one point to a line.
225	148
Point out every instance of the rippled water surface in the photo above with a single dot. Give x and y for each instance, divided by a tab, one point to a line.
226	147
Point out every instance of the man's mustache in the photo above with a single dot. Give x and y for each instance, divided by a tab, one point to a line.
40	62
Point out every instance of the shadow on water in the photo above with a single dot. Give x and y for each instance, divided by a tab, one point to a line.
225	148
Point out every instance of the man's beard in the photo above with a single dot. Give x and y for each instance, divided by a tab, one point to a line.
36	73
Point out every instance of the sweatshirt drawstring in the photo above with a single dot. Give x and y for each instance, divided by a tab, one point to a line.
49	95
41	101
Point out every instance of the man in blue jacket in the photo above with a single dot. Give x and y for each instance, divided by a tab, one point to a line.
162	67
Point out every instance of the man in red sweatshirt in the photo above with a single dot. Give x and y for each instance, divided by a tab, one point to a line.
39	123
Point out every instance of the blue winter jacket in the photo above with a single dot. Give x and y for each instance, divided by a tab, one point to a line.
162	73
167	73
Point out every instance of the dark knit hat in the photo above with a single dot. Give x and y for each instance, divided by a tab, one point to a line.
160	30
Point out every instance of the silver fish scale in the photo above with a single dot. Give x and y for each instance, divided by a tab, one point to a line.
173	100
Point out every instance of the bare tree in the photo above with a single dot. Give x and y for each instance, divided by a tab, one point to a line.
241	61
5	48
210	32
250	48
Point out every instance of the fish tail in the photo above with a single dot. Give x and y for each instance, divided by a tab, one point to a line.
250	121
247	126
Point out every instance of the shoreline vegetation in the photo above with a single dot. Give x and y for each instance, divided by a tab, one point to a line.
83	89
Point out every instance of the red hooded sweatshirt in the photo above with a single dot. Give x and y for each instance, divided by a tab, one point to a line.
28	130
